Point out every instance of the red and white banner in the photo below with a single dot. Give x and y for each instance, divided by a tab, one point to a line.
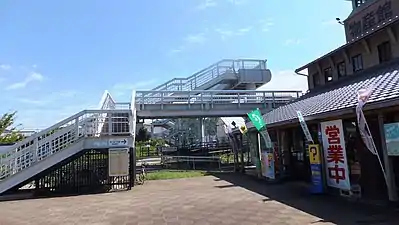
336	163
362	97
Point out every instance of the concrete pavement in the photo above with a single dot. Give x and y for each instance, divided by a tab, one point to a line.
220	199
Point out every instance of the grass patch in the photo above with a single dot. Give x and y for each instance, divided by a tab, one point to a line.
165	175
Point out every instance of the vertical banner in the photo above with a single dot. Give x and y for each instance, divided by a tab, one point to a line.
264	163
315	168
270	173
304	127
337	173
118	159
363	96
257	120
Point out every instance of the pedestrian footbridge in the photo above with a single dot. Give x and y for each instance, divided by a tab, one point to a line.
75	152
208	103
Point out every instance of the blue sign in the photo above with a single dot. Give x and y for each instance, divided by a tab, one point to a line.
317	180
315	169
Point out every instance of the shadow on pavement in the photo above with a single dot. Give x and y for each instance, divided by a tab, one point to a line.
329	208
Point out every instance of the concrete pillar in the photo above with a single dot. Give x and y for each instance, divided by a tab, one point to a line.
152	128
202	129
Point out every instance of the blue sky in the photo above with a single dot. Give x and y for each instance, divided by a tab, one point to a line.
57	57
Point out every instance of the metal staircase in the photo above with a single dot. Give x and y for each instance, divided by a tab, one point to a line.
86	129
227	74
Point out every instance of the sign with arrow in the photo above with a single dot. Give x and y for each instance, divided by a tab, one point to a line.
256	119
117	142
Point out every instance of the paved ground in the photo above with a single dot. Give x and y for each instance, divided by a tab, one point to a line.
221	199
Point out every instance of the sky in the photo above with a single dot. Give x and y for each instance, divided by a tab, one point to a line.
58	57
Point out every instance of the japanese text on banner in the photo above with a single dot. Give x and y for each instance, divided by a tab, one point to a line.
335	154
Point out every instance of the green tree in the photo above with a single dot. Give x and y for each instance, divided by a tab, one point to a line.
8	132
142	135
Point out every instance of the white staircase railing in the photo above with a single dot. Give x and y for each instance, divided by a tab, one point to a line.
203	76
60	136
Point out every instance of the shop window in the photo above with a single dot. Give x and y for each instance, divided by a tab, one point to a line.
328	75
357	62
316	79
384	52
341	69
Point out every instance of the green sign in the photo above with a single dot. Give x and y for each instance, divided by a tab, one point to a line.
256	118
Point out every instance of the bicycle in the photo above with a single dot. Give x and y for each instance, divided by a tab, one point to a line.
140	178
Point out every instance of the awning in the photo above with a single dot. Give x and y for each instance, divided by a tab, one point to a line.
341	96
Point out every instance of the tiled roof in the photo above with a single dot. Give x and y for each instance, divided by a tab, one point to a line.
384	80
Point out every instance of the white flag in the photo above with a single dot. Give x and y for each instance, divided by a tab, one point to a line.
362	97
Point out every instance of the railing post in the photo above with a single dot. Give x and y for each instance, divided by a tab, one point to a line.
264	99
239	100
162	99
77	128
274	103
109	116
142	101
36	144
211	106
202	101
217	70
189	100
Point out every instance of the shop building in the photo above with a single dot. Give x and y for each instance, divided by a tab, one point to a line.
369	59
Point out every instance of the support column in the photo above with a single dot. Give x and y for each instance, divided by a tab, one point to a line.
259	157
152	128
202	129
390	176
242	153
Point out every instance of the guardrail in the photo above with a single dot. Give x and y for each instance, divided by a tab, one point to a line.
203	76
191	159
214	96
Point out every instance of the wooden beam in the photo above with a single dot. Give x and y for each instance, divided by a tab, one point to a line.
366	46
331	61
319	68
346	57
392	35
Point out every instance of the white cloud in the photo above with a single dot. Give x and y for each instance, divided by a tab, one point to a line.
205	4
58	96
32	77
266	25
238	2
289	42
33	101
5	67
189	41
286	80
228	33
68	93
195	38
